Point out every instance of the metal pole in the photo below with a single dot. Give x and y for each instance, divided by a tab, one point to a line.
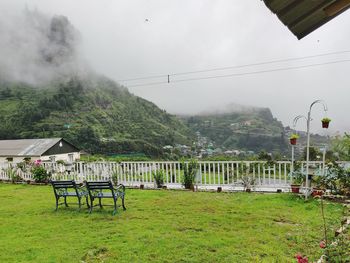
292	166
307	151
324	160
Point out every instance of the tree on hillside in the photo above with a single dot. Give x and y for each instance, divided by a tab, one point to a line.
341	146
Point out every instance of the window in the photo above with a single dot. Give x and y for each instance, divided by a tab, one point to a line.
9	159
52	158
70	157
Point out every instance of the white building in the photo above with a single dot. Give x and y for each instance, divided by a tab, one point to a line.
50	149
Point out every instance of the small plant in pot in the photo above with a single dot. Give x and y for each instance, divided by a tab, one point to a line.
325	122
159	178
297	180
248	183
319	185
293	139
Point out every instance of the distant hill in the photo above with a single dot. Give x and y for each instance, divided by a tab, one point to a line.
48	90
244	128
96	114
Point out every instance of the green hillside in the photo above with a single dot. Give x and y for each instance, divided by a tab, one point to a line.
254	129
96	114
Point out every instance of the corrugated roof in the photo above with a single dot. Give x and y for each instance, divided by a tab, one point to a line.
26	147
304	16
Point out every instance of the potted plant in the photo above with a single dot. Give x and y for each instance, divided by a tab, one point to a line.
325	122
293	139
158	176
319	185
297	180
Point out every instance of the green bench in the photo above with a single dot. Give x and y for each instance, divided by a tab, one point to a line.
105	189
64	189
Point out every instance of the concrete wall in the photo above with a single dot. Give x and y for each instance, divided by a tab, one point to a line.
66	157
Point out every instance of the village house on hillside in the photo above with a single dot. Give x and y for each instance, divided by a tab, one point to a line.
50	149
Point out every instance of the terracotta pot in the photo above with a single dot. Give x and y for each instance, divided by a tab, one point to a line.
295	188
293	141
325	124
317	192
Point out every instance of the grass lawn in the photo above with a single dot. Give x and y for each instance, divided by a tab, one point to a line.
161	226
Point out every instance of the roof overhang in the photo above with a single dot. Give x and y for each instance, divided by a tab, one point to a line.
304	16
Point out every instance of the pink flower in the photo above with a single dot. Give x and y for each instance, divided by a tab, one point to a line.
323	244
37	162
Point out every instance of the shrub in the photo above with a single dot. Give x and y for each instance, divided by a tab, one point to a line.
39	173
158	176
190	170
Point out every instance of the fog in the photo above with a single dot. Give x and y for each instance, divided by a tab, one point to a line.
135	39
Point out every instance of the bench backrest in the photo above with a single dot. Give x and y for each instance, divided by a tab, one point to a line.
63	184
58	185
100	185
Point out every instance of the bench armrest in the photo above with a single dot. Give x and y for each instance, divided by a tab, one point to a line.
120	187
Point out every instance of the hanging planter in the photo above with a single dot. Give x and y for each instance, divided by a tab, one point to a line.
293	139
325	122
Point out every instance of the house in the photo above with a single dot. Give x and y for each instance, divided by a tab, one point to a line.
50	149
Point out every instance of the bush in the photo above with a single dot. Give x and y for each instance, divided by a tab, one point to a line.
40	174
190	170
159	178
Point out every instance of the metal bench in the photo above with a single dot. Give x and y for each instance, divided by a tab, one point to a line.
69	189
105	189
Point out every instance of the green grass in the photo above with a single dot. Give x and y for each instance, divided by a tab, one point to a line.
161	226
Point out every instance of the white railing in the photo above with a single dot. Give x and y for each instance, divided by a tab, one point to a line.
210	174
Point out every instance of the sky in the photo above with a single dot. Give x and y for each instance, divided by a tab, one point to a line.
127	39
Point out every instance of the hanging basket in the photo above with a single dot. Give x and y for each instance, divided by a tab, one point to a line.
293	141
325	124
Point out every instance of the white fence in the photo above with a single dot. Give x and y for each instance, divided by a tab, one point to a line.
210	175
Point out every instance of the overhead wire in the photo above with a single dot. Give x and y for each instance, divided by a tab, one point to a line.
236	66
241	74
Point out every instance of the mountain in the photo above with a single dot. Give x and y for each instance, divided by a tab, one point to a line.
95	114
240	128
48	90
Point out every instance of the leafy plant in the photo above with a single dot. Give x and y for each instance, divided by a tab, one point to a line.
114	177
248	182
326	119
297	177
158	176
12	174
294	136
39	173
190	170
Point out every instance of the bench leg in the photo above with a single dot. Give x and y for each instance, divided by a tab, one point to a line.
65	201
91	205
124	208
115	206
99	202
57	199
87	201
79	202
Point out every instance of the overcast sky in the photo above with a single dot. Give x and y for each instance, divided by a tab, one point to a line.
133	38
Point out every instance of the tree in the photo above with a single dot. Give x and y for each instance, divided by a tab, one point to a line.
341	146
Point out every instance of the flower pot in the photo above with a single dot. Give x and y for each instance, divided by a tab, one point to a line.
317	192
248	190
295	188
325	124
293	141
142	186
219	189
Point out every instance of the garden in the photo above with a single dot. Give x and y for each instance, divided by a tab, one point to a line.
164	226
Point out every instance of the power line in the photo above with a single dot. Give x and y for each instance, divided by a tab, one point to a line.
237	66
242	74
